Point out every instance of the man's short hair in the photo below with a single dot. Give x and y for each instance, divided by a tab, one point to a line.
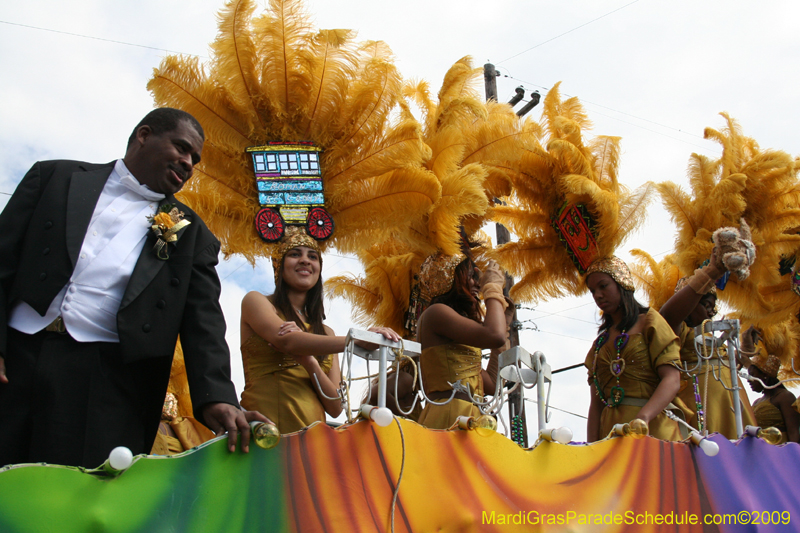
166	119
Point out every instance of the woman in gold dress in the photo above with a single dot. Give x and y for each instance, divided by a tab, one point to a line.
289	355
631	365
453	333
695	301
774	408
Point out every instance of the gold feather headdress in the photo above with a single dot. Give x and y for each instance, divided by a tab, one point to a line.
274	78
474	146
554	181
746	182
657	279
781	339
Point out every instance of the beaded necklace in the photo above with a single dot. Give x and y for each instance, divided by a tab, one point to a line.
701	417
617	367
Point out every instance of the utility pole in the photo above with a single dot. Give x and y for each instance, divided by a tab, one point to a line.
490	81
516	400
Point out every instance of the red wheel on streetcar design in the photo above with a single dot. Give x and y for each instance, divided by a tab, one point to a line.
320	224
269	224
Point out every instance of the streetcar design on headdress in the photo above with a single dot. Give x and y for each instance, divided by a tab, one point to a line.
289	181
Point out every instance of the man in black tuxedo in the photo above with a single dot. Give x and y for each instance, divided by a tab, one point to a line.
93	310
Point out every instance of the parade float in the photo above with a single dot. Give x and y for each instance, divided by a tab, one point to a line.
314	129
391	474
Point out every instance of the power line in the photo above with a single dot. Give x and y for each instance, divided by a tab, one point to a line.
562	335
571	367
556	313
629	115
557	409
98	38
234	270
570	31
567	317
505	75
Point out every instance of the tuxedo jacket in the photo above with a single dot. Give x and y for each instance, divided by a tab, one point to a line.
41	233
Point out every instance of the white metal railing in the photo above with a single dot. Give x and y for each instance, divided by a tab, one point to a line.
383	354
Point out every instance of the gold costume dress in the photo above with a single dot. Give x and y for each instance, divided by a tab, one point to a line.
656	345
449	363
719	403
279	387
178	430
768	415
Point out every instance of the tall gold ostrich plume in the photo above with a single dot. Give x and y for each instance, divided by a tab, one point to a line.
570	171
657	279
746	182
474	146
274	78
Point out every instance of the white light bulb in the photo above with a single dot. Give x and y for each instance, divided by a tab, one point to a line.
381	416
709	447
120	458
562	435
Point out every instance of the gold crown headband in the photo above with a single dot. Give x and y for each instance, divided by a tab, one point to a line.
614	267
769	365
295	236
437	273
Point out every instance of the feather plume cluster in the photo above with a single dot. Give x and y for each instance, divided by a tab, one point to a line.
657	279
474	145
745	182
562	167
273	77
781	339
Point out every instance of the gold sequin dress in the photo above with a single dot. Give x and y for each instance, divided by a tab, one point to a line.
719	404
449	363
768	415
279	387
656	345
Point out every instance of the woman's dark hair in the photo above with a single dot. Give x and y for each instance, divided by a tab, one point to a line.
631	311
314	308
459	297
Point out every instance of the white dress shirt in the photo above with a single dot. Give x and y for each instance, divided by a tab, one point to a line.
111	247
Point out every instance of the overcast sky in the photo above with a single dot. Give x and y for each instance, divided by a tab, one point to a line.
655	73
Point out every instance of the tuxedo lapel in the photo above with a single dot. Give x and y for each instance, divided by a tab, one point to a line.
84	191
147	266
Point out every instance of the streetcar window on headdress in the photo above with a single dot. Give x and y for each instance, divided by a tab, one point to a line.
575	229
289	181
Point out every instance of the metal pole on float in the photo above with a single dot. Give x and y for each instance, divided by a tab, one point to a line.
737	400
541	404
383	354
